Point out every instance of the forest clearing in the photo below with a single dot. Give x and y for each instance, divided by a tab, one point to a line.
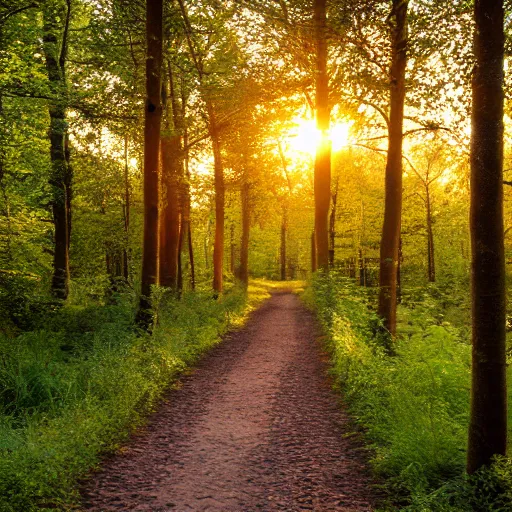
255	255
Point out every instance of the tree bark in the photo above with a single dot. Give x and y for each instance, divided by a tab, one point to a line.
170	214
393	188
332	226
218	247
60	179
186	245
284	229
322	179
430	240
153	115
232	248
246	227
488	420
126	211
313	252
191	258
172	178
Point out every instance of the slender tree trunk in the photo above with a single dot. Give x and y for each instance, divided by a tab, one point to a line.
232	249
172	181
68	183
362	267
55	14
399	273
186	245
322	180
313	252
430	241
246	227
181	242
218	247
191	258
170	214
153	115
186	249
126	210
207	242
332	226
488	421
393	194
284	229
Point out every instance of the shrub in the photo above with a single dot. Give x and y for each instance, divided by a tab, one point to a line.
414	406
80	384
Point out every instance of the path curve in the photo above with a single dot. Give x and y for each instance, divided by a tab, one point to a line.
255	427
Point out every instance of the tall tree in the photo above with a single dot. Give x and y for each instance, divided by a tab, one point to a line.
214	131
488	422
246	227
323	154
153	115
56	18
186	248
171	177
393	189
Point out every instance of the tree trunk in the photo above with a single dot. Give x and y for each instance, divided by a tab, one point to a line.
126	211
207	242
284	229
186	230
332	226
170	214
153	115
322	180
430	242
172	181
232	249
393	193
488	421
246	226
313	252
54	14
191	258
218	247
68	183
399	273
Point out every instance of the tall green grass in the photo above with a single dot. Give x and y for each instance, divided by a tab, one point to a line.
414	406
78	385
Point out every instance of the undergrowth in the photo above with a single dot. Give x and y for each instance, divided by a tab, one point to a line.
414	406
77	386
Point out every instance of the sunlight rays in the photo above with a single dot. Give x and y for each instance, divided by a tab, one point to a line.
305	137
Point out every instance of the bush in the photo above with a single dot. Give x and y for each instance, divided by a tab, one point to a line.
414	406
79	385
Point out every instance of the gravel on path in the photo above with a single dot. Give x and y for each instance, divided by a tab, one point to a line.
255	427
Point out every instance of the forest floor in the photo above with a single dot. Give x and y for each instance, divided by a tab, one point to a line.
255	426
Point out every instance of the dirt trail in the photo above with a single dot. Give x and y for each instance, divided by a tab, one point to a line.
255	427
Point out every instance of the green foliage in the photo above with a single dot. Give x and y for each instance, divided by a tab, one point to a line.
76	387
414	406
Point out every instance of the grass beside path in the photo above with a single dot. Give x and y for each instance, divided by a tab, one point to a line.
414	406
75	388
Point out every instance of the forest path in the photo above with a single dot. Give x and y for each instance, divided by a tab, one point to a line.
256	426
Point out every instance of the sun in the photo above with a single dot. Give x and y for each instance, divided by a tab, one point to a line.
305	136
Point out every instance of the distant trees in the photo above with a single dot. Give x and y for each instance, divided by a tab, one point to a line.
429	170
488	423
